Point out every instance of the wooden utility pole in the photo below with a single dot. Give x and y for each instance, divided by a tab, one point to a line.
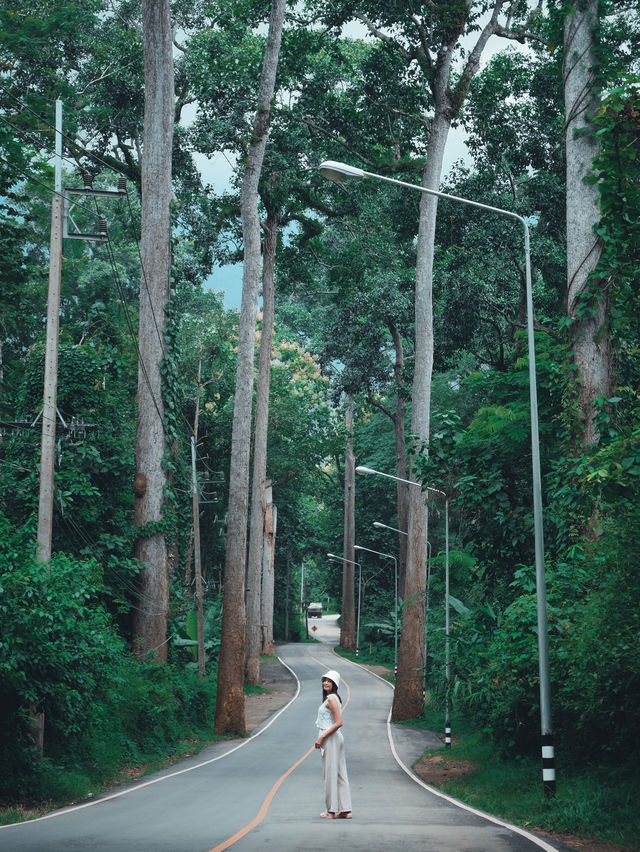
48	441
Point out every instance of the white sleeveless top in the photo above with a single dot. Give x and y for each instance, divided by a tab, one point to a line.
325	719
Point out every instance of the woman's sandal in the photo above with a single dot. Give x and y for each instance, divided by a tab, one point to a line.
345	815
327	815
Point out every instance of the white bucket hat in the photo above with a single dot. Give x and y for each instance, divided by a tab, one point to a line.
334	676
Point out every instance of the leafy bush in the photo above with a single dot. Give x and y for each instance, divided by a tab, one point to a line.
597	657
61	654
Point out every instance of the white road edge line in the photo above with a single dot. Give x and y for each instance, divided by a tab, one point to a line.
515	828
111	796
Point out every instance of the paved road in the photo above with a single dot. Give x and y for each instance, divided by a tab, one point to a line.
266	792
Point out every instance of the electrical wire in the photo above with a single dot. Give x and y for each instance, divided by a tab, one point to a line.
106	165
125	582
119	285
35	180
96	158
47	123
14	465
144	279
134	337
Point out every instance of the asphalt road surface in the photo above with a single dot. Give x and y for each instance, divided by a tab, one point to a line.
266	792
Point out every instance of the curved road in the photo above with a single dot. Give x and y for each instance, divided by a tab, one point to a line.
266	792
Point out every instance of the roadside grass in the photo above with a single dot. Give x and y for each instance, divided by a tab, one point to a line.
592	804
595	803
369	656
255	689
68	787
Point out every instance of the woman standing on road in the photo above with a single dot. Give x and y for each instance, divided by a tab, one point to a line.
331	744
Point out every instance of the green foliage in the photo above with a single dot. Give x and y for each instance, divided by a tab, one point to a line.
481	448
583	806
598	651
346	267
187	637
617	176
60	653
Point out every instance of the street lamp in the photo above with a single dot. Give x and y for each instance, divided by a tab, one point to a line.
385	526
351	562
381	526
338	172
447	728
395	573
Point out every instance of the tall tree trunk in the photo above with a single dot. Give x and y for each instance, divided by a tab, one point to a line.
397	417
151	614
229	716
347	618
591	342
287	602
408	701
268	576
253	639
402	489
198	596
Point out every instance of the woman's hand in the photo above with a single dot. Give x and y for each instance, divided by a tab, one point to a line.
320	741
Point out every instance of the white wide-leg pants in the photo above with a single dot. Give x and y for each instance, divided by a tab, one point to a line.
337	794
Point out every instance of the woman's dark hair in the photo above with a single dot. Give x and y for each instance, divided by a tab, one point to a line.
334	690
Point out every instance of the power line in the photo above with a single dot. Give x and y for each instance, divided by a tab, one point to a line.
118	284
27	176
69	140
102	162
132	332
144	279
131	214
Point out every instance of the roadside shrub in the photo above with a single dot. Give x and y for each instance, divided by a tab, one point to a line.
60	653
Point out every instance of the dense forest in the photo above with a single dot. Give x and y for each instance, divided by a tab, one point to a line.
203	458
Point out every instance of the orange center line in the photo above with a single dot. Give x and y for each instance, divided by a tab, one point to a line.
270	795
263	808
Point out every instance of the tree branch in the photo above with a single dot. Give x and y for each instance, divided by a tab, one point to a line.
318	128
408	55
425	56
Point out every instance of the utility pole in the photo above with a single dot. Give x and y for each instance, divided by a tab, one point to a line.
60	217
196	562
48	440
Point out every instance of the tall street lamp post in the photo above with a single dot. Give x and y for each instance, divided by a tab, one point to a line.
395	626
381	526
362	469
338	172
351	562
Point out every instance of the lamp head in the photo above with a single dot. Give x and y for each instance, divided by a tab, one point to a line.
339	172
361	469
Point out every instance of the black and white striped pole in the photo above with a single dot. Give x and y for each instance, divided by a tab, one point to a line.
339	172
447	621
428	488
